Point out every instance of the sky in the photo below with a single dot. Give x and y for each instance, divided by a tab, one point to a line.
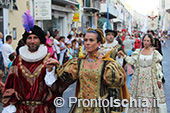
144	7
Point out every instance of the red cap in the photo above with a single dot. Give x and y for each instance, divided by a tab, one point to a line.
123	30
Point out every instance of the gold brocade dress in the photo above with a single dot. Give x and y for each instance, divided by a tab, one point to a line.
102	83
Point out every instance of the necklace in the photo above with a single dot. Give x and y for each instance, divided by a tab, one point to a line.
89	60
93	60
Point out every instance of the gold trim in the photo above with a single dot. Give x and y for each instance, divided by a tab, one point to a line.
35	74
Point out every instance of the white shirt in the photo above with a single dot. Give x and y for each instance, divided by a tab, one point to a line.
128	44
6	51
119	60
56	47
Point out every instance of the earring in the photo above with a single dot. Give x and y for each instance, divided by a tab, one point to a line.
97	48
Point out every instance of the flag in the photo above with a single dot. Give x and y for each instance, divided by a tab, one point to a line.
144	28
164	20
130	28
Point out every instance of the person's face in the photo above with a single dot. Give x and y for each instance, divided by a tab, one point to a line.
74	29
90	42
136	35
1	35
10	41
147	42
123	32
33	42
63	39
110	37
74	43
119	55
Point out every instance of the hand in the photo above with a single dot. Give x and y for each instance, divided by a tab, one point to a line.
153	48
159	84
50	63
120	52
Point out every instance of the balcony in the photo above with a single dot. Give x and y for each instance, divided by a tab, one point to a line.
113	13
90	6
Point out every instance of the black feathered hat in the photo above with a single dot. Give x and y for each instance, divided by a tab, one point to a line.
36	31
30	28
111	31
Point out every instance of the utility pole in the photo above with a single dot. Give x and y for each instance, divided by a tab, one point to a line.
108	14
124	15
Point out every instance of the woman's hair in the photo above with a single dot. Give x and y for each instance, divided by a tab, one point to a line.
69	36
61	37
73	41
81	34
151	38
99	38
11	57
1	74
21	42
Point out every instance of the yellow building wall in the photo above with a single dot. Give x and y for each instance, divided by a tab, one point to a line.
79	24
15	21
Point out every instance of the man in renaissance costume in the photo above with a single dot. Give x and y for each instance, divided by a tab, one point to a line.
111	45
26	89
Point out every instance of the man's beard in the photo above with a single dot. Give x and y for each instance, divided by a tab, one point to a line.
33	49
109	40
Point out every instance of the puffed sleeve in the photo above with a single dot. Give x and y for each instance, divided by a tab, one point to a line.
115	79
68	73
133	58
113	76
157	59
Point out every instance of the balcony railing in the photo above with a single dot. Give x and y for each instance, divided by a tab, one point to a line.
89	4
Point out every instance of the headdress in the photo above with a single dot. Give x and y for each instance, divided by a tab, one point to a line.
111	31
123	30
30	28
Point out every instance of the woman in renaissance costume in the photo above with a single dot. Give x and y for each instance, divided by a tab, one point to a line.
97	76
146	81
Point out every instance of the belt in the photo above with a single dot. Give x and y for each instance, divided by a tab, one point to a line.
31	103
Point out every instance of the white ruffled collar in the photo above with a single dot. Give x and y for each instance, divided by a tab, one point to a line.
28	56
113	44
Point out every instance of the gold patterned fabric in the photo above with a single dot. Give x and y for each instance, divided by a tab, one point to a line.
103	50
104	82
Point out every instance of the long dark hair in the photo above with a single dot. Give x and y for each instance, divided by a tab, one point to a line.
151	38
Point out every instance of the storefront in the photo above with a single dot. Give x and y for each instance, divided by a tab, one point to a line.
61	15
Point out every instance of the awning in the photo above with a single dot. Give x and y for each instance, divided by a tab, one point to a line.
66	2
101	22
117	20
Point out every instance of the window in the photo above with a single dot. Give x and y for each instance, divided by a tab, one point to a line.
14	33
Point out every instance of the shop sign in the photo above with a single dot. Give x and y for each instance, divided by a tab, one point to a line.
76	17
42	9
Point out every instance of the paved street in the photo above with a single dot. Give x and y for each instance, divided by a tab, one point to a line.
166	70
166	64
